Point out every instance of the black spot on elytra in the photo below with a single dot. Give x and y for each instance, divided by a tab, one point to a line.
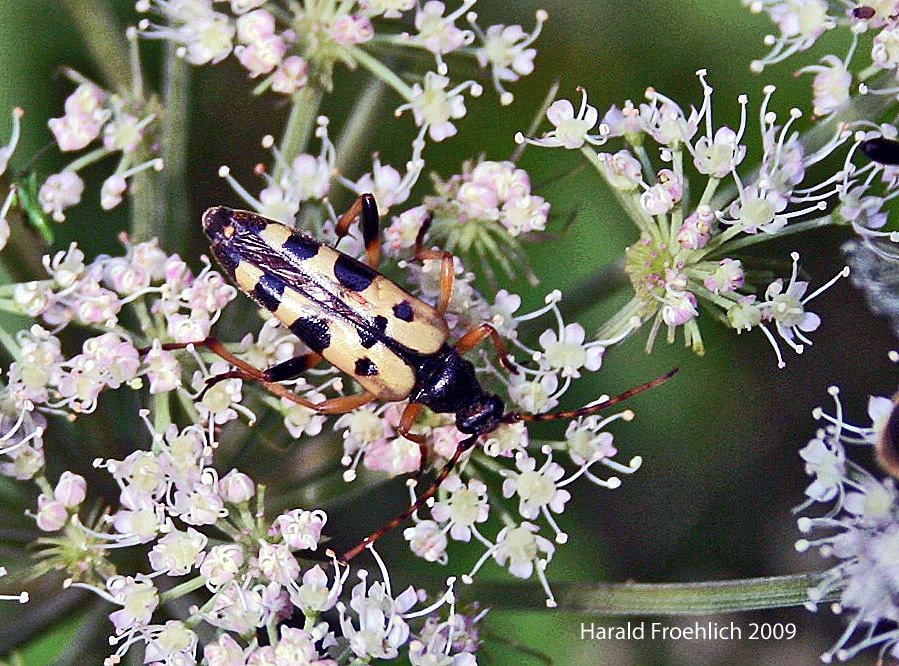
366	367
353	274
368	338
403	311
300	247
313	331
268	291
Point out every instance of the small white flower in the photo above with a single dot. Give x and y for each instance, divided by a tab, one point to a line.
178	552
60	191
434	107
720	155
571	131
465	506
221	564
521	546
71	489
300	529
427	540
566	352
536	489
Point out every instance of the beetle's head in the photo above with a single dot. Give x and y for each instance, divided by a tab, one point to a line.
482	415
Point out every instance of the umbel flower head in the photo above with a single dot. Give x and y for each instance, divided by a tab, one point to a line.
686	259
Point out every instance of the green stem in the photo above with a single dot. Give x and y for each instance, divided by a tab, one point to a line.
10	344
798	227
381	70
182	589
538	118
705	598
162	415
90	157
300	123
619	322
175	132
104	39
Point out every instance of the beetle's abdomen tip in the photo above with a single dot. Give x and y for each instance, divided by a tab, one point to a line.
216	222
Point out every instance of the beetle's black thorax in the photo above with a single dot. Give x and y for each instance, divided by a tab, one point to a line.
446	382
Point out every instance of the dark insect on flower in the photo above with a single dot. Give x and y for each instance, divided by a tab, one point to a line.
887	446
881	150
863	12
393	344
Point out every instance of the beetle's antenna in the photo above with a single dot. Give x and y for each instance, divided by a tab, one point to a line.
512	417
462	447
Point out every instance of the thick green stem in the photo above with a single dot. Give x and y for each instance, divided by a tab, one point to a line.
174	204
146	215
653	599
104	39
300	123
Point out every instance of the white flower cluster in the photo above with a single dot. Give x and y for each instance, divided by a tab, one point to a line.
860	529
685	251
294	45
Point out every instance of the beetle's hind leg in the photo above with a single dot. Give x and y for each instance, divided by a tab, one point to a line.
366	210
269	378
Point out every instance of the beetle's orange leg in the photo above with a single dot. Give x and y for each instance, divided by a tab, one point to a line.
477	335
423	231
289	369
447	274
407	420
366	210
447	267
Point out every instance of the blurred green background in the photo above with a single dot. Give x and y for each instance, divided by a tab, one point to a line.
721	470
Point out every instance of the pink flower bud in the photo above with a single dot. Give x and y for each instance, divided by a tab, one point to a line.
236	487
71	489
51	515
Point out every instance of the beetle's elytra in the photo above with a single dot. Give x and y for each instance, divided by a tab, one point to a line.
393	344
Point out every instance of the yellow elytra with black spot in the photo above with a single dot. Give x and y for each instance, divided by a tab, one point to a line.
357	319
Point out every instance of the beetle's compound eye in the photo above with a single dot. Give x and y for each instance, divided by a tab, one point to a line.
482	416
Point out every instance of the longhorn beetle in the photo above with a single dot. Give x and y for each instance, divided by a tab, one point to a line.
346	312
